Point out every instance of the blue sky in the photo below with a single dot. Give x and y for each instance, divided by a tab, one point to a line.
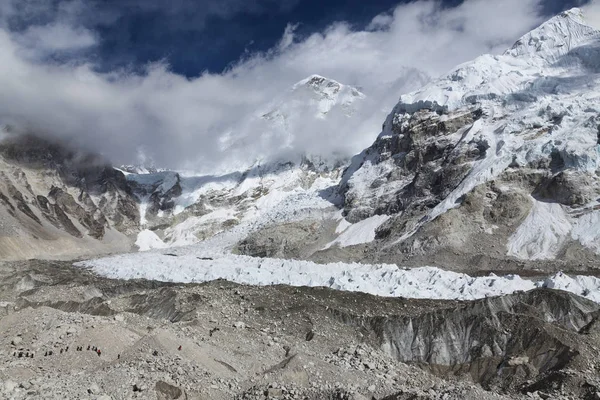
173	80
194	36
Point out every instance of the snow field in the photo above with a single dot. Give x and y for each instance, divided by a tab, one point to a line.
359	233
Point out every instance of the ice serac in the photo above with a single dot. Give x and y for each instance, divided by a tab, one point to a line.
463	162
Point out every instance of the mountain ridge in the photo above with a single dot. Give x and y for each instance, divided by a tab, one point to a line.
61	202
500	131
495	161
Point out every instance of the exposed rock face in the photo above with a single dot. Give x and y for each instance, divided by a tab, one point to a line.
569	188
500	342
158	191
496	331
166	391
56	200
420	160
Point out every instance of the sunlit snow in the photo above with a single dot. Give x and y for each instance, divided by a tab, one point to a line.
187	265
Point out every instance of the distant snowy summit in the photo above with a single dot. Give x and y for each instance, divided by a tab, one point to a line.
326	94
138	169
307	121
286	129
498	160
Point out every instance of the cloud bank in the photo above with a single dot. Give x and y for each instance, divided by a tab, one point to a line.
592	13
181	123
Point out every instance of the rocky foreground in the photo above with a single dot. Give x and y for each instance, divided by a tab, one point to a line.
68	334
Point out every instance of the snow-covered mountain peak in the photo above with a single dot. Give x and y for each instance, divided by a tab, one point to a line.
547	59
524	123
322	92
556	37
281	129
319	84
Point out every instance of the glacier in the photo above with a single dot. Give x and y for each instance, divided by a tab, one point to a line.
193	265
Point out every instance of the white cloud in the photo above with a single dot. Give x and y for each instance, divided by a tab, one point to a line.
288	37
57	37
592	13
180	121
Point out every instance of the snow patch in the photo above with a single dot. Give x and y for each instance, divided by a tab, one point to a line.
548	227
184	234
586	230
144	203
541	235
148	240
359	233
342	226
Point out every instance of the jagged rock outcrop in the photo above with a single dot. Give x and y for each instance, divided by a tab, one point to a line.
502	342
419	163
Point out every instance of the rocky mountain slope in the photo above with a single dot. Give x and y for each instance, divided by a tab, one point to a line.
58	202
498	160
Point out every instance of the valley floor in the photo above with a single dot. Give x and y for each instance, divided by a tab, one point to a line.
222	340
